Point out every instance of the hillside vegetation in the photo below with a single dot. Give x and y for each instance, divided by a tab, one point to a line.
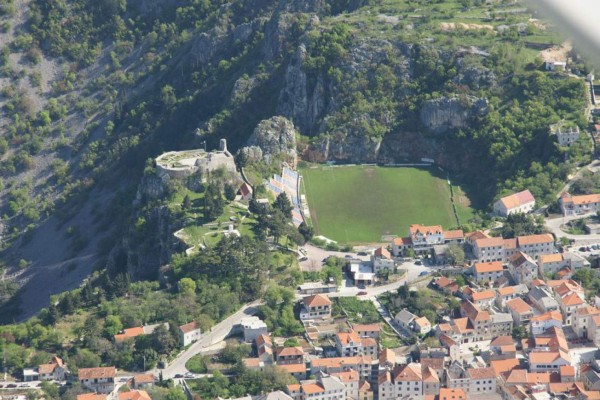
92	89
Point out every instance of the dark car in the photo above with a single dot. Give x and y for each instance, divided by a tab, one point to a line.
424	273
361	293
362	253
178	376
418	262
582	249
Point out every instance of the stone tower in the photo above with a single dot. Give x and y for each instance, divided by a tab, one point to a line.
223	145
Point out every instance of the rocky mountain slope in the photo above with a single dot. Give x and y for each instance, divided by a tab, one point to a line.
120	81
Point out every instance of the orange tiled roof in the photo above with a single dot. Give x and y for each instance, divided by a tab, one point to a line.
489	242
517	199
144	378
337	362
501	366
383	252
452	394
134	395
429	375
572	299
547	316
312	388
481	373
548	258
366	327
506	291
347	376
473	236
547	357
348	337
535	239
290	351
400	241
567	370
453	235
387	356
519	306
444	282
484	295
510	244
494	266
410	372
317	300
422	321
91	396
129	333
502	341
189	327
100	372
425	230
293	368
582	199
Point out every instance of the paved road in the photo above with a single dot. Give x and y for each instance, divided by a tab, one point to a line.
209	339
316	255
554	225
219	332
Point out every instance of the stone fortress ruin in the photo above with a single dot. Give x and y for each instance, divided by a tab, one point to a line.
181	164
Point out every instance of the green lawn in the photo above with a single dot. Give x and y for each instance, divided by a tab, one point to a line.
359	204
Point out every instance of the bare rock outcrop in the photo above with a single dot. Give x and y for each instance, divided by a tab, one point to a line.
445	113
273	137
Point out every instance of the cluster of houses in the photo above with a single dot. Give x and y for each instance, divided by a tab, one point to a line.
478	354
101	383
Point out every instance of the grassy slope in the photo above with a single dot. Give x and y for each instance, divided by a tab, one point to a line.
360	204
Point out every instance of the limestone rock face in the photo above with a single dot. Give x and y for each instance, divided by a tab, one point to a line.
275	136
440	115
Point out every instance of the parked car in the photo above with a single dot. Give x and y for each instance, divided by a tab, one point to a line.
424	273
362	253
582	249
418	262
178	376
361	293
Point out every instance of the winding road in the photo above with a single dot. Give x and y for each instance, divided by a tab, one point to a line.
219	332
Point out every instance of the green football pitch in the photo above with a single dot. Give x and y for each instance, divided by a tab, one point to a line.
360	204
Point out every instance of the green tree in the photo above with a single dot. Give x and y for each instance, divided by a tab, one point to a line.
229	191
187	202
187	286
282	203
168	97
112	325
455	254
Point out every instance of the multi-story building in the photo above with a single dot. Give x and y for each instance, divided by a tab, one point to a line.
422	239
536	245
583	319
382	259
483	299
520	311
541	323
570	297
101	379
56	370
253	327
325	387
543	361
367	331
290	355
349	344
351	380
521	202
488	271
482	380
317	306
501	324
578	205
522	268
489	249
549	264
362	364
507	293
189	333
542	299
